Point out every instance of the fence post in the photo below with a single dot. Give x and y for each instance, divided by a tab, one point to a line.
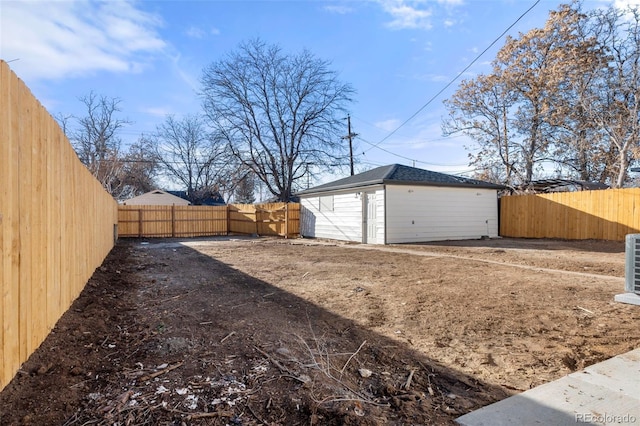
228	219
286	220
173	220
256	212
139	223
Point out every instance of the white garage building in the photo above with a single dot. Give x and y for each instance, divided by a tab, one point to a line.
400	204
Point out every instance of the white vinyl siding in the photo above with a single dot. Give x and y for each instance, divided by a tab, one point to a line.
344	222
326	203
404	214
416	214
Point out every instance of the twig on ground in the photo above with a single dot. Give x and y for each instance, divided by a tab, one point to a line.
255	415
299	379
132	354
227	336
351	357
79	384
429	388
237	306
342	399
205	415
325	366
407	384
161	372
175	297
275	362
586	310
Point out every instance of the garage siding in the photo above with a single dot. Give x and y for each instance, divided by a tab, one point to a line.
343	222
416	214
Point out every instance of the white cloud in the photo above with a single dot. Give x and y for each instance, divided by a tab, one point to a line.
340	10
433	78
199	33
407	15
195	32
388	125
157	111
419	14
74	38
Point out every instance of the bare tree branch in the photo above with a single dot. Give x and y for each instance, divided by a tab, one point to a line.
277	112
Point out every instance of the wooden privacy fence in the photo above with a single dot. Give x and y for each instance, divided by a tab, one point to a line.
281	219
604	215
56	224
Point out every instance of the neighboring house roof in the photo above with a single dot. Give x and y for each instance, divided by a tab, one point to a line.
400	175
156	198
213	199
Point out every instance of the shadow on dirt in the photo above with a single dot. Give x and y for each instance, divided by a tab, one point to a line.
163	334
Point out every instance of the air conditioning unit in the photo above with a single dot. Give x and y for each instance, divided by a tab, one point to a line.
632	265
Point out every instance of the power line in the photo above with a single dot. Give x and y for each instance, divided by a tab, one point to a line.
407	158
455	78
377	127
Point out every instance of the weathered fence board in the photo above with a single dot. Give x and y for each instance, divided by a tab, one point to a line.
281	219
603	215
56	223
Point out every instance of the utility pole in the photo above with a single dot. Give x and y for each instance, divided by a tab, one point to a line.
350	136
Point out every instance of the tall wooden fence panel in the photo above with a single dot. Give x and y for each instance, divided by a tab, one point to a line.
56	224
281	219
265	219
603	215
171	221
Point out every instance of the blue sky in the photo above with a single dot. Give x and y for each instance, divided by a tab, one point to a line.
397	54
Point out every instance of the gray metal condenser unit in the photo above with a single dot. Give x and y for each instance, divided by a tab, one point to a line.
632	265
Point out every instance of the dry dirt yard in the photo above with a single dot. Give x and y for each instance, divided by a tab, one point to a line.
249	331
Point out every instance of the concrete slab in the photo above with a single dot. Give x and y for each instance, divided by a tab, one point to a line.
631	298
604	393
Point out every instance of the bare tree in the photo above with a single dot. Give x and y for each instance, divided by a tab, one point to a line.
245	189
123	174
190	156
277	112
139	169
63	121
96	141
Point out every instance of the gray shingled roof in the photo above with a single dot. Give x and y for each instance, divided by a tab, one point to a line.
401	175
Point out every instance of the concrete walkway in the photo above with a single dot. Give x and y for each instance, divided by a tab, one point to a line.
604	393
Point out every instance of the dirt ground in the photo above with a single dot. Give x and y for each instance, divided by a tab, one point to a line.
249	331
